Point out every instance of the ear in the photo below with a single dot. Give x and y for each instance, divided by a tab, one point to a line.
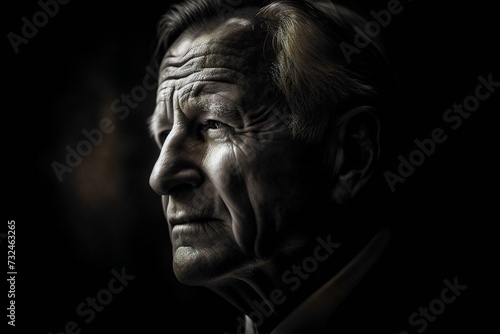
355	145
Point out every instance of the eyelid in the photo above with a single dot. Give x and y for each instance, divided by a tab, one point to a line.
225	114
208	122
162	135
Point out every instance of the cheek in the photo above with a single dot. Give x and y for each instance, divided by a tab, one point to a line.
221	167
286	181
225	166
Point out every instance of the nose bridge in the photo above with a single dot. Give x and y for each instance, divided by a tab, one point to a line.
176	165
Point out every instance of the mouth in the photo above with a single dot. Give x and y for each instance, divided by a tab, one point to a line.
175	221
195	232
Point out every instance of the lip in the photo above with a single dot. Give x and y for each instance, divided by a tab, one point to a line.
174	221
194	231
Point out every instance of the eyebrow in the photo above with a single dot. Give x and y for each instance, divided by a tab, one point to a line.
224	110
220	110
158	115
227	110
153	122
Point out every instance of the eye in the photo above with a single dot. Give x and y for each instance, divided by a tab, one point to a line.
213	124
216	129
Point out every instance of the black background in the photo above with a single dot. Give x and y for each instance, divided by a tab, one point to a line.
103	216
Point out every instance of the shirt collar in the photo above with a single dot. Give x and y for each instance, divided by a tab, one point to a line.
312	314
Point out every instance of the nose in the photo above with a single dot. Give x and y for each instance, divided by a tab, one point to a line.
175	170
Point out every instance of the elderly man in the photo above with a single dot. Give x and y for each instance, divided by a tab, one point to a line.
270	137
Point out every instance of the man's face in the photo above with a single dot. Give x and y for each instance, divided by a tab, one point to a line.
232	179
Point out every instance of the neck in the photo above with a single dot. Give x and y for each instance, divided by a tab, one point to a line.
258	289
267	290
253	290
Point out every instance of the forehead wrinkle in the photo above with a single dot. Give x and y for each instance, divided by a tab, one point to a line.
201	46
207	81
212	87
200	50
208	62
211	62
236	50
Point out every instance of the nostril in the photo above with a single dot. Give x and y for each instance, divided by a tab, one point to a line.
180	188
173	174
169	181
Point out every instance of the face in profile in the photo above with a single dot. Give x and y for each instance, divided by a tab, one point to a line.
233	180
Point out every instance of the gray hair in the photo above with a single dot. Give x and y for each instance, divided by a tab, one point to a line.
315	81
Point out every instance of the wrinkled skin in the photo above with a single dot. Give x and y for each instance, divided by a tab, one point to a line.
243	199
232	179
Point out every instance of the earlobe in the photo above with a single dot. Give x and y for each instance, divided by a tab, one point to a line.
357	152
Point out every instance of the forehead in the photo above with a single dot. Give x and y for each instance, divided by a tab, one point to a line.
230	44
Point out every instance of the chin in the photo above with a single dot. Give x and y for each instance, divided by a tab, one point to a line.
190	277
196	267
